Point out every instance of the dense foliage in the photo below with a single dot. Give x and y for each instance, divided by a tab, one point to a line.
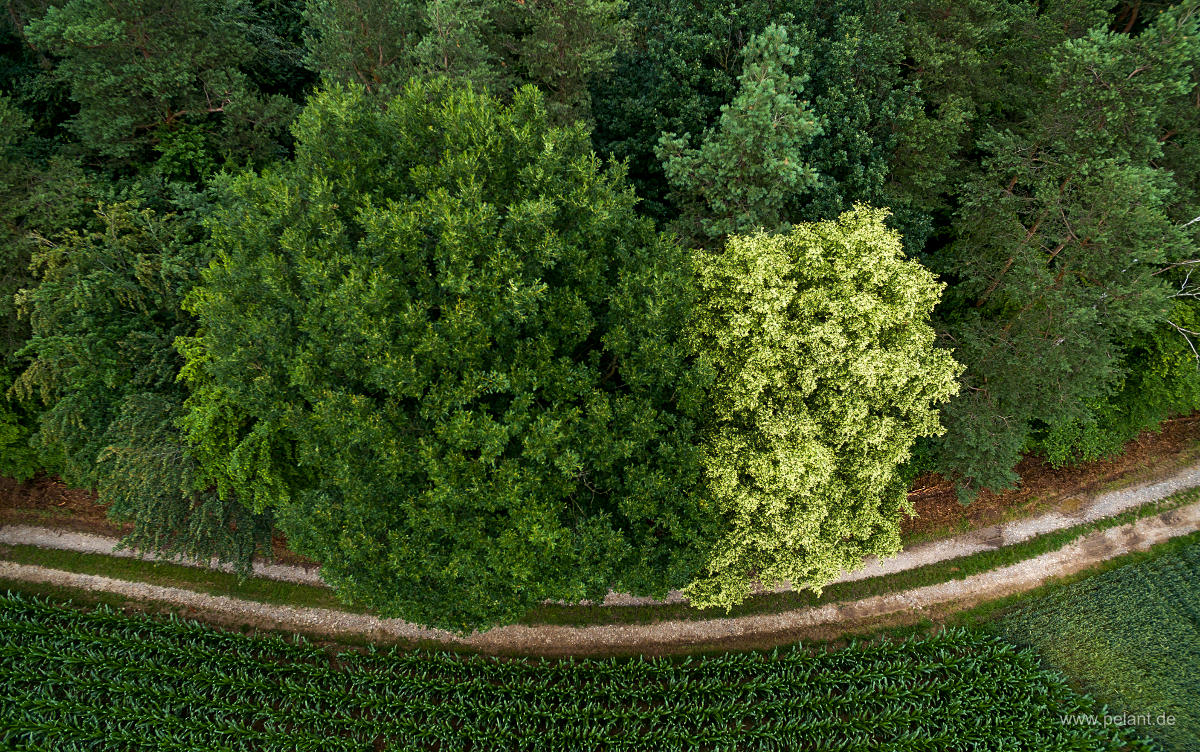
1061	241
429	284
954	690
748	168
1132	637
381	44
439	344
1032	153
103	360
825	373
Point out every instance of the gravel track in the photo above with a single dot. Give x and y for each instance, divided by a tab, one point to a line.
1089	550
984	539
87	543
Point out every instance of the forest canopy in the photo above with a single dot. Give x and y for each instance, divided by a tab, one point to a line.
484	302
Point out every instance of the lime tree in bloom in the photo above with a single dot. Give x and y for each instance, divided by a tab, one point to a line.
824	371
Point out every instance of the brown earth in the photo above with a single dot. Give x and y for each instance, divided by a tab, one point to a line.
46	501
1042	487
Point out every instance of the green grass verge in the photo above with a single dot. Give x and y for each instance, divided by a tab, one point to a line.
285	593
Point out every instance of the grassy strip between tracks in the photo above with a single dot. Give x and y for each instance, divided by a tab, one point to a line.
293	594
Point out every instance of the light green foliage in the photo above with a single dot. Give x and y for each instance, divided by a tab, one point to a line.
1060	246
102	360
274	694
135	67
747	169
499	45
442	346
826	372
1130	637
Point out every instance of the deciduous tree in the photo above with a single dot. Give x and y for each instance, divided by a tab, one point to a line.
442	347
826	371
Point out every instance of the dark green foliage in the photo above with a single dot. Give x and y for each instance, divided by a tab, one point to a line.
1060	244
442	346
137	68
1132	637
102	360
954	690
137	105
742	173
975	65
17	459
1161	379
1041	157
852	58
685	66
37	195
559	46
275	31
682	65
499	45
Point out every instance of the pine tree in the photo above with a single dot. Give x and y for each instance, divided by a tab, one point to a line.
746	170
1060	246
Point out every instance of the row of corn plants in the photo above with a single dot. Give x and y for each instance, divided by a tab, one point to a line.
1131	636
101	680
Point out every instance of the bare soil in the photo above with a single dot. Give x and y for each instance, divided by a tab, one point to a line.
46	502
1042	487
823	622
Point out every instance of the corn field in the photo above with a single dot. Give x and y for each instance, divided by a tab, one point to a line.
1132	637
102	680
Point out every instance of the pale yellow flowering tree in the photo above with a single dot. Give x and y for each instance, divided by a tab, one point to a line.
825	373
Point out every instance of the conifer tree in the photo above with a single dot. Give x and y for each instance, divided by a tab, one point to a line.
745	171
1061	243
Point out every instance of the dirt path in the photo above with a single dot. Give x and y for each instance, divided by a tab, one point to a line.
996	536
89	543
787	626
1107	504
